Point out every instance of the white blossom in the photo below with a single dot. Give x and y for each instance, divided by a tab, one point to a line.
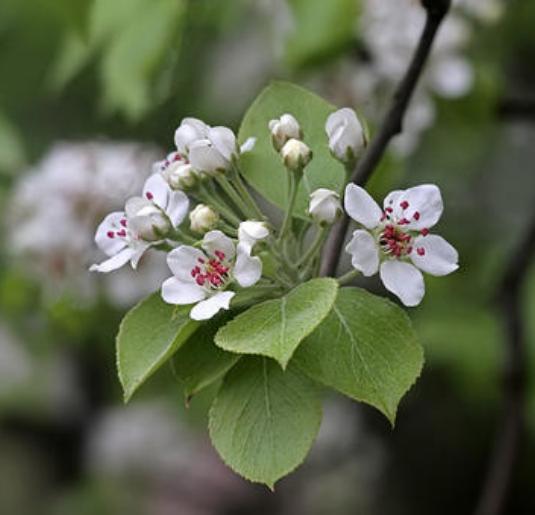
203	218
202	277
395	240
125	235
296	154
346	135
324	206
284	128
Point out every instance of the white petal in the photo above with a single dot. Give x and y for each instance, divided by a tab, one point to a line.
138	253
364	252
426	200
114	262
204	157
190	130
179	292
440	257
345	132
157	190
247	270
403	280
216	240
224	141
248	145
182	260
391	200
208	308
360	206
110	224
137	206
177	207
250	232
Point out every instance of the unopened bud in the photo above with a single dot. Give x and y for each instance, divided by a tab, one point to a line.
203	218
283	129
346	135
324	206
180	176
296	154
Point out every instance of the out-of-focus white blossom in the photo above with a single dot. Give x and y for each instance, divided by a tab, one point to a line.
346	135
56	206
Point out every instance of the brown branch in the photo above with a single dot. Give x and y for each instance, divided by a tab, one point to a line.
506	446
391	126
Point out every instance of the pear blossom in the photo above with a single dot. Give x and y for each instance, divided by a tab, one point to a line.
346	135
180	175
126	235
250	233
396	241
203	218
296	154
324	206
202	277
283	129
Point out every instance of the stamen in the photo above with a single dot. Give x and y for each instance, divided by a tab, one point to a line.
424	232
220	255
403	221
404	204
420	251
416	215
110	234
149	195
389	210
124	222
121	233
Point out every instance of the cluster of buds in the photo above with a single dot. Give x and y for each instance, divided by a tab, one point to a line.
286	135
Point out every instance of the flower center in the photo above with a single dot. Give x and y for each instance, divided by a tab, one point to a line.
394	241
213	272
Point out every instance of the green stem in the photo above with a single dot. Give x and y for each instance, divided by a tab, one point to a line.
314	247
292	195
347	277
210	197
242	189
234	196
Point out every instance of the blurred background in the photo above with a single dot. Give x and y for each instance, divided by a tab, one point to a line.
91	92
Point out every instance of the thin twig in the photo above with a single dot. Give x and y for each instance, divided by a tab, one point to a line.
506	446
391	126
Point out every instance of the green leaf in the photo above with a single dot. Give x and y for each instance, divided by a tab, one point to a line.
366	348
264	420
263	167
149	335
199	363
276	327
321	30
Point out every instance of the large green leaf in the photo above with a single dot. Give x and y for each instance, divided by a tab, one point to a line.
276	327
366	348
264	420
148	336
198	363
263	167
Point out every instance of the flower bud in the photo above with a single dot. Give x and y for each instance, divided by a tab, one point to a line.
203	218
346	135
296	154
146	220
180	176
283	129
324	206
190	130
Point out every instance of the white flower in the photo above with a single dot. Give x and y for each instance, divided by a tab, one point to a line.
203	218
189	131
346	135
203	277
283	129
250	233
397	241
215	152
324	206
125	236
295	154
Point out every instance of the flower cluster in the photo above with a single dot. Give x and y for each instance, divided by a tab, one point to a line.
196	208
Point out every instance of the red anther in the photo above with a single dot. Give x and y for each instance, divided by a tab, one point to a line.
201	260
405	237
149	195
389	210
124	222
420	251
121	233
404	204
403	221
220	255
195	271
110	234
409	250
424	232
200	280
416	215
